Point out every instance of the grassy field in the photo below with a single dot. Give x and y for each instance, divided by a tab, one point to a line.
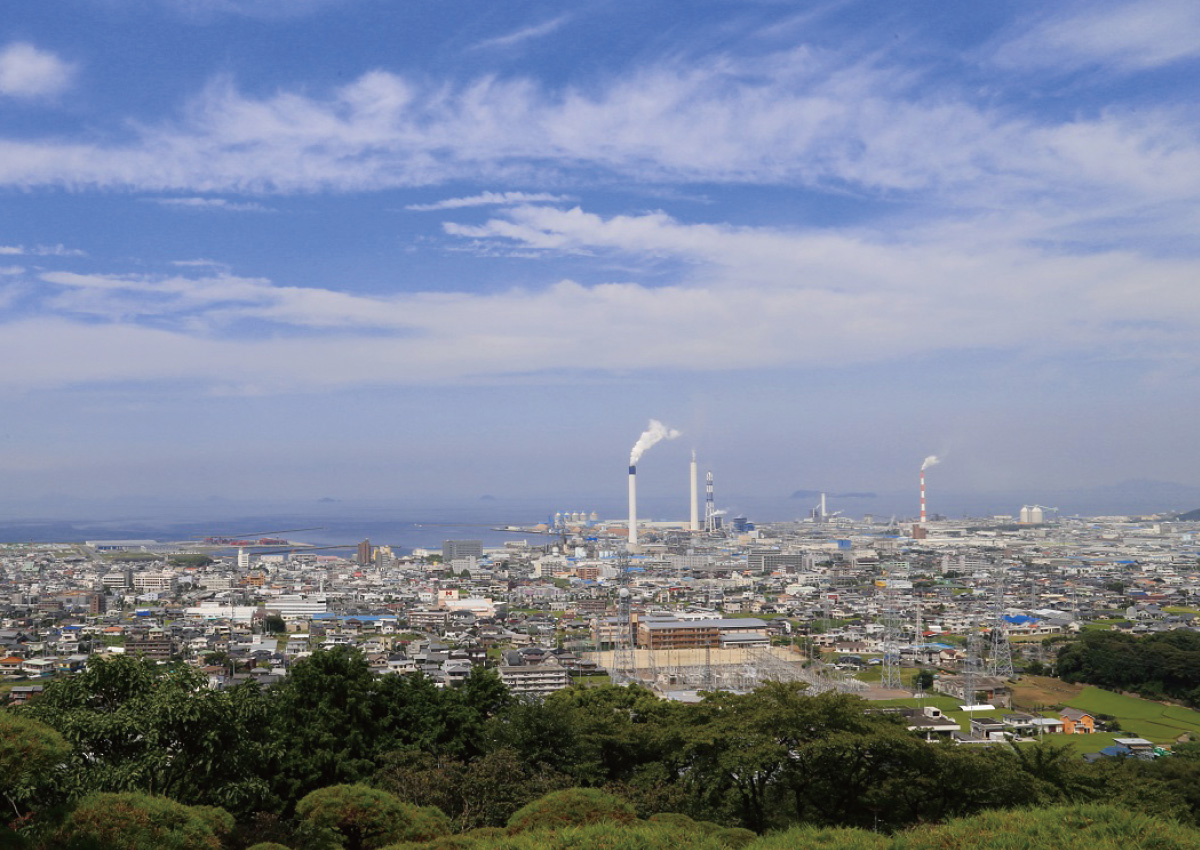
944	703
874	674
592	681
1151	720
1158	723
1082	744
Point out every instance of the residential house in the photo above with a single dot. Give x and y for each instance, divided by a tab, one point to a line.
1077	722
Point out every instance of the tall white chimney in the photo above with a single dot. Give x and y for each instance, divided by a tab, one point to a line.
695	497
922	495
632	506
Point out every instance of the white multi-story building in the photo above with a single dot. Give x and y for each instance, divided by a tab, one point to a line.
538	680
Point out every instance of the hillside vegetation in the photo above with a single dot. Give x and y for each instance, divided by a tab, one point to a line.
1157	666
332	749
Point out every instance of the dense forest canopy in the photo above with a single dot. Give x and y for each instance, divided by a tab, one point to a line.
1157	666
773	759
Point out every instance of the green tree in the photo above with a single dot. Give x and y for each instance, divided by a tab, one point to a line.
133	726
325	719
423	779
30	754
614	732
496	785
1055	771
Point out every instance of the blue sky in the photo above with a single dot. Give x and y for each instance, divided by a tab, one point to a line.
306	248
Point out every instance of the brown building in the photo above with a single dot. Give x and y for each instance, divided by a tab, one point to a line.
152	644
653	633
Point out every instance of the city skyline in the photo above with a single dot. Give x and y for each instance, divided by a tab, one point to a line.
256	249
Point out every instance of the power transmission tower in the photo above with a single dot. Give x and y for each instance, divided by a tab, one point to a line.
890	677
971	667
1000	662
624	669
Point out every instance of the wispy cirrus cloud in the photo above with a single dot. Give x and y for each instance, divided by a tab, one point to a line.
29	72
204	10
211	204
40	251
523	34
1115	34
201	262
490	199
799	118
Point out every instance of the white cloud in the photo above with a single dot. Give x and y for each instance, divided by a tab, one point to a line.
524	34
792	119
27	72
40	251
749	298
1127	36
265	9
214	204
486	199
201	263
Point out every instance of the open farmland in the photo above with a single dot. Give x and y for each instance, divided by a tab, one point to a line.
1152	720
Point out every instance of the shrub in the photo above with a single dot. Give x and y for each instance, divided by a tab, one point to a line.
10	840
1079	827
639	835
138	822
674	819
267	845
218	820
367	818
572	807
735	836
817	838
445	842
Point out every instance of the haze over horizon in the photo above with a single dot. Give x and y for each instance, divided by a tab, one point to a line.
281	251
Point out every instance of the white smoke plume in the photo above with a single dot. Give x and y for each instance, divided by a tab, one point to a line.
656	432
932	460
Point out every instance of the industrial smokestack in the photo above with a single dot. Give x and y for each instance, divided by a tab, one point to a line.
695	526
655	432
932	460
710	505
632	506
